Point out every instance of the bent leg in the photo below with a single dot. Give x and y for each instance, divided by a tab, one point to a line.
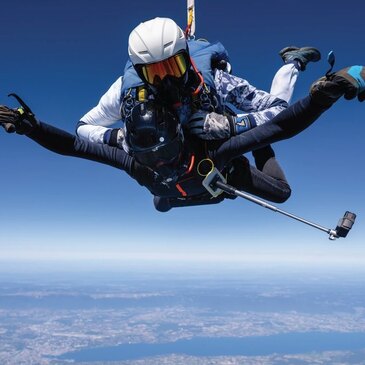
282	86
269	183
284	82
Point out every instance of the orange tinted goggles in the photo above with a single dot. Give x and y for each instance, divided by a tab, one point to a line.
174	66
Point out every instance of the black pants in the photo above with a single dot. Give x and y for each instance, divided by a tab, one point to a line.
267	180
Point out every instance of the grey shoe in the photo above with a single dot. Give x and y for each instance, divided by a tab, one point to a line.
349	82
325	92
303	55
353	81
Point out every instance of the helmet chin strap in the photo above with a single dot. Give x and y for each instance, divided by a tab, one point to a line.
170	90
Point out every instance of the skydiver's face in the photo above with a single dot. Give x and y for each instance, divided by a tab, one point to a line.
170	90
167	77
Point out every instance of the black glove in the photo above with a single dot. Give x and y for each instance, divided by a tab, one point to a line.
21	120
8	118
220	64
9	128
144	175
210	126
116	138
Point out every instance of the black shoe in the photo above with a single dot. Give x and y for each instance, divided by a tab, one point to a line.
303	55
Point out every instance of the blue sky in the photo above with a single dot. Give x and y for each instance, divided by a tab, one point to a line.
62	56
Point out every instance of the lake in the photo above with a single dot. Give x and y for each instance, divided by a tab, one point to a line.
288	343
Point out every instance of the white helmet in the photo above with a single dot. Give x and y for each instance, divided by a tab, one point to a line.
155	40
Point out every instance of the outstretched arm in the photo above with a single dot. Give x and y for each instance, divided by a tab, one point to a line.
348	82
64	143
287	124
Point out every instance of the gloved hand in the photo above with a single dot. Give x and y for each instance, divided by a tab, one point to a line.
144	175
213	126
220	64
116	138
9	128
8	118
17	120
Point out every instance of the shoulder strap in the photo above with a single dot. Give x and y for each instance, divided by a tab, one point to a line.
130	78
203	53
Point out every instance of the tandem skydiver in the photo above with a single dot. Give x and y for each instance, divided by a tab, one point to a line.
173	167
190	77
